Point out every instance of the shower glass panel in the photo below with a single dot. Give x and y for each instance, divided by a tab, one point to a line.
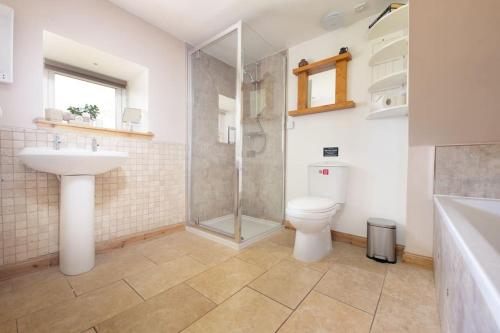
263	115
213	85
236	136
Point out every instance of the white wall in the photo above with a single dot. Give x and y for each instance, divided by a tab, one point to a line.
375	149
101	25
420	210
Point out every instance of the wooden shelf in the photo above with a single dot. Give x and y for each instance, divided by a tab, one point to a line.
393	49
322	65
393	111
389	81
93	130
322	108
392	22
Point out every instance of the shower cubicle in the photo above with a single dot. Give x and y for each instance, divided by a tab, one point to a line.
236	137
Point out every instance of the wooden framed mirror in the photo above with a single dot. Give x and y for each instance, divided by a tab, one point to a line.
339	63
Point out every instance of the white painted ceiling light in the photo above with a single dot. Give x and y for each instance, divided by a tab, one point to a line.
332	20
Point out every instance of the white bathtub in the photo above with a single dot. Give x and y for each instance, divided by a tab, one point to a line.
474	226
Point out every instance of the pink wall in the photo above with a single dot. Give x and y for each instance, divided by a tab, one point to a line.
454	72
104	26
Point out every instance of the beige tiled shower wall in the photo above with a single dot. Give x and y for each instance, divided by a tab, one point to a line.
212	162
263	165
145	193
472	171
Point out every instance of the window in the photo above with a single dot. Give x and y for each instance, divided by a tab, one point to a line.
75	89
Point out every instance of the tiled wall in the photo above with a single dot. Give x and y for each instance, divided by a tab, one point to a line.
212	162
263	165
472	170
144	194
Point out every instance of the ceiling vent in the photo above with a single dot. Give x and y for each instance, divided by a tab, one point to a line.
332	20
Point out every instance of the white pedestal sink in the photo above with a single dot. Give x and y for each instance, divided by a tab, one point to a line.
77	168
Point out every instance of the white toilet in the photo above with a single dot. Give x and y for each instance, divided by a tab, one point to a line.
312	215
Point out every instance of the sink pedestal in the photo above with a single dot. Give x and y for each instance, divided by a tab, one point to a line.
76	224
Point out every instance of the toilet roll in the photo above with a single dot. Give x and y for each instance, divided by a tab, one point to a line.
385	101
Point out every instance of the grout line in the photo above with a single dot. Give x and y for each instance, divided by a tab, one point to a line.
378	301
302	300
272	299
71	287
350	305
128	284
224	301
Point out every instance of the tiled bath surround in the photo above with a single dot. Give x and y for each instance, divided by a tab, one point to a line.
470	171
146	193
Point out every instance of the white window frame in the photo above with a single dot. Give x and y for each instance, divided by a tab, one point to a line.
120	92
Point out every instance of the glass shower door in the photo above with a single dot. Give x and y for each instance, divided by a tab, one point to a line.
263	136
236	135
213	134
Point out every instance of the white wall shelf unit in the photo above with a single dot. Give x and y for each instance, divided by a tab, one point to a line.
392	50
389	62
393	111
392	80
392	22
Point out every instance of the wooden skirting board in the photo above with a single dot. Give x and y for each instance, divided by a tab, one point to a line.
32	265
419	260
410	258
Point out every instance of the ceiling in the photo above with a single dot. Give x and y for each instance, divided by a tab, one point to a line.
283	23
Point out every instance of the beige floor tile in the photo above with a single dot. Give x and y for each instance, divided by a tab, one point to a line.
5	286
90	330
320	266
110	267
285	237
157	279
83	312
42	275
246	311
212	254
264	254
287	283
353	286
170	311
223	280
27	298
319	313
396	315
161	252
411	284
8	327
352	255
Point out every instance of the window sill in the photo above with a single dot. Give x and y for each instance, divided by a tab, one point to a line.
93	130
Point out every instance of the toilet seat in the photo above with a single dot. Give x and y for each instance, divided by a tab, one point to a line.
311	208
311	204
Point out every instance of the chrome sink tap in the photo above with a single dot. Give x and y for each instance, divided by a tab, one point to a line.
95	145
57	142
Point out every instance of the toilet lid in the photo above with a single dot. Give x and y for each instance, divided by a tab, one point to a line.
311	204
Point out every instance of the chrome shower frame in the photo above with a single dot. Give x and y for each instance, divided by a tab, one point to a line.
237	210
